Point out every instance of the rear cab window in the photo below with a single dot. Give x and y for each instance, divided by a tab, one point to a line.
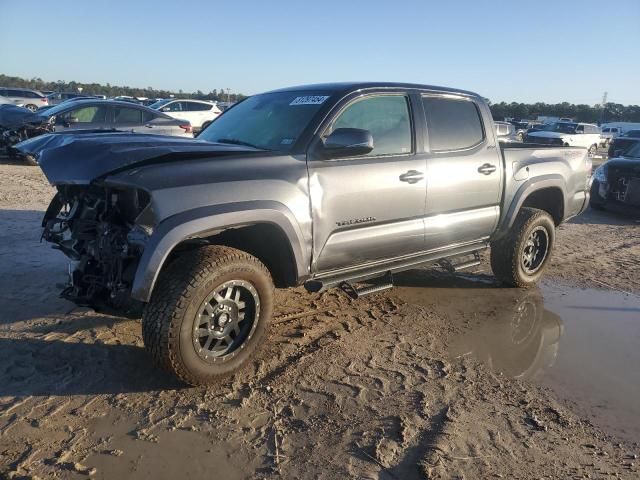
452	123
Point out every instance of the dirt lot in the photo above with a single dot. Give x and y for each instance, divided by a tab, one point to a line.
374	388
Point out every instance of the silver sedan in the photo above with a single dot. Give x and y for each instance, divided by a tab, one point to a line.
110	114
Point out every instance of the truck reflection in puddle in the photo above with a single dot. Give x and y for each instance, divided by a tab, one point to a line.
582	343
507	329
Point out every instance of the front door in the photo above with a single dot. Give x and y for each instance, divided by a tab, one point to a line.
464	172
85	117
369	208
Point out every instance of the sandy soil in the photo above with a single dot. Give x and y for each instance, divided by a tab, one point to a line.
342	388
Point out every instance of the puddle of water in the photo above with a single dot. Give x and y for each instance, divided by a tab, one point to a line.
583	344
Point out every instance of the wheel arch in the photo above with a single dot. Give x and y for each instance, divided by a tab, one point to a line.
546	193
240	225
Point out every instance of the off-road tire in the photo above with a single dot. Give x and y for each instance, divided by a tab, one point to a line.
168	319
506	253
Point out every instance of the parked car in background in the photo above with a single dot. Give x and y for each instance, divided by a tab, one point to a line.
616	183
608	134
6	101
99	114
571	134
31	99
524	126
506	132
199	112
620	145
58	97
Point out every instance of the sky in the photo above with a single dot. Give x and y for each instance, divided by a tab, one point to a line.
524	51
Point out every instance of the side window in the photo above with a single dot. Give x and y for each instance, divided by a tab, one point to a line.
127	115
453	124
93	114
580	129
148	116
385	116
196	106
173	107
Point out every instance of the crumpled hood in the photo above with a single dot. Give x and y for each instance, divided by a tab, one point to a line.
71	158
12	116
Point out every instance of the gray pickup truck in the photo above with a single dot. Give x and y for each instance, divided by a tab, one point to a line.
322	185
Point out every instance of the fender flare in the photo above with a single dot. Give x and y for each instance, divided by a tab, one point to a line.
206	221
526	189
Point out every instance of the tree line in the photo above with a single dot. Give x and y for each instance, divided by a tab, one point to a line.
114	90
610	112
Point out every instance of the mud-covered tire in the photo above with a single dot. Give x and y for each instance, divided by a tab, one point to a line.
507	253
181	291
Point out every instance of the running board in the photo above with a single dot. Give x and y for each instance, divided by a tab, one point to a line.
456	267
356	293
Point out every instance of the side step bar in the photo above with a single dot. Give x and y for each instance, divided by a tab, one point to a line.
356	293
456	267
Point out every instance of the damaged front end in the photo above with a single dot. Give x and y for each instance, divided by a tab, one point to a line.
103	231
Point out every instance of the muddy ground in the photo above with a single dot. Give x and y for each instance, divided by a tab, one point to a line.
383	387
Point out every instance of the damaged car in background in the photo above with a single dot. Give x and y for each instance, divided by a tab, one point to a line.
18	124
616	183
85	116
320	185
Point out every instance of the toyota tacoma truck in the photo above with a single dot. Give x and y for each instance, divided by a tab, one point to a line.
322	185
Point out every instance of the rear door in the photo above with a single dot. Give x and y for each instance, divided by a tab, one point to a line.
369	208
464	171
126	117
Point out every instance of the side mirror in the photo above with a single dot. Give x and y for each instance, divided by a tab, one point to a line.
347	142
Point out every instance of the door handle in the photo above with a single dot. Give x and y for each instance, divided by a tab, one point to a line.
412	176
487	169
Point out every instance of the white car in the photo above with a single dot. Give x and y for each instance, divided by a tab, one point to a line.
200	113
570	134
609	133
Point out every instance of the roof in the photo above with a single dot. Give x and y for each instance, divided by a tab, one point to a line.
344	87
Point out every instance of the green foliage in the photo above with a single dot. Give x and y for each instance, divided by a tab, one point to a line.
612	112
112	90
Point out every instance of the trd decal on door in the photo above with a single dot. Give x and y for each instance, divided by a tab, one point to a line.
353	221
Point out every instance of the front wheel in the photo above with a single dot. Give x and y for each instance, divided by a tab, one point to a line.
593	149
520	258
208	314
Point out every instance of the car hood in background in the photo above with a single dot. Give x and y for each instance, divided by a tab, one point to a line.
548	134
72	158
12	116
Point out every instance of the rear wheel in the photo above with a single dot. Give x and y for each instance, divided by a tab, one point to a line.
593	149
208	314
31	107
520	258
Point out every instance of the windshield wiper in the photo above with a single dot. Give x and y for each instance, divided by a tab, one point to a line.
235	141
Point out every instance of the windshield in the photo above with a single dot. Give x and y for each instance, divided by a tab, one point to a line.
560	127
271	121
56	109
633	151
159	103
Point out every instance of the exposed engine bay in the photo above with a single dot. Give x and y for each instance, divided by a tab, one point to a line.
103	231
625	186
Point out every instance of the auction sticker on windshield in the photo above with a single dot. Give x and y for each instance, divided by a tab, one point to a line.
309	100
